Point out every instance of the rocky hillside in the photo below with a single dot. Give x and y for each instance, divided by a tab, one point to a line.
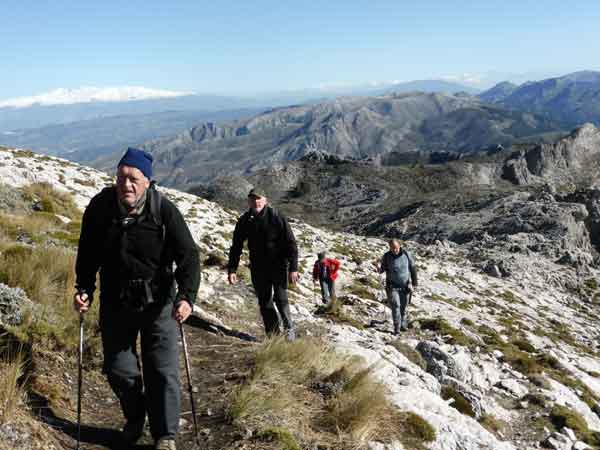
571	99
502	352
458	198
384	129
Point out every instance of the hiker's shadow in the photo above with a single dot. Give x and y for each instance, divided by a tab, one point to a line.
93	435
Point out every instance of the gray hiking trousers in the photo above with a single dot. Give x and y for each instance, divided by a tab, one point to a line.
398	301
271	286
159	393
327	290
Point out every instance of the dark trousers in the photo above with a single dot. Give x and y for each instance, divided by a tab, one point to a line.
398	301
271	290
159	394
327	289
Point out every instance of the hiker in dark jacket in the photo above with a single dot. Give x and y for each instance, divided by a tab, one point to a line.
133	235
401	279
273	260
325	271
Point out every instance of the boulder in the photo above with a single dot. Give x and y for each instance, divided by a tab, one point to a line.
13	304
440	363
558	441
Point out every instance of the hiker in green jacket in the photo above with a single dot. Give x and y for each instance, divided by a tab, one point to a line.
401	279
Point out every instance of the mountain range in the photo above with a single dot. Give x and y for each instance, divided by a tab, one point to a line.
61	106
389	129
571	99
363	197
87	123
88	140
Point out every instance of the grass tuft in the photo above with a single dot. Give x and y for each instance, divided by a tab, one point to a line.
52	201
12	371
411	354
280	435
442	327
324	397
460	403
334	311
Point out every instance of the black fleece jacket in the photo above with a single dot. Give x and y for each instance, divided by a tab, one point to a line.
139	251
271	241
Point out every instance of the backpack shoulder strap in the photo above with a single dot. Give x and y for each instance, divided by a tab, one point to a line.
155	199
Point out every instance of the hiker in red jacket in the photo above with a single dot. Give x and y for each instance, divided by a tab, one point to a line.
325	271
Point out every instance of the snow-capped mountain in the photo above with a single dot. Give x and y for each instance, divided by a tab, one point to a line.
87	94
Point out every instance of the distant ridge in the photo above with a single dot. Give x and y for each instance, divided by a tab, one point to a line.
572	99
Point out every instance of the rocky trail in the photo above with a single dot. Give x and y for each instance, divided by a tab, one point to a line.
218	364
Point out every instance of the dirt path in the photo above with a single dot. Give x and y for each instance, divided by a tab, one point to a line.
219	363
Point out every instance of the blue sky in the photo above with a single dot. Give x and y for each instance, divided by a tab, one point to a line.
235	47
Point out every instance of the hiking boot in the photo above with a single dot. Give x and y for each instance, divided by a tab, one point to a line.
132	431
166	444
403	328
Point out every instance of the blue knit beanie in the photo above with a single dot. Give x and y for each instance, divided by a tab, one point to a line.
139	159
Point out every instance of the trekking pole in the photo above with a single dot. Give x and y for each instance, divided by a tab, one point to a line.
79	379
189	378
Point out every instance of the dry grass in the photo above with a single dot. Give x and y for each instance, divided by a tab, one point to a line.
312	395
45	272
12	394
334	310
47	275
411	354
52	201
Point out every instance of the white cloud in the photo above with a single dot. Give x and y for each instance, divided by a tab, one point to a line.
88	94
465	78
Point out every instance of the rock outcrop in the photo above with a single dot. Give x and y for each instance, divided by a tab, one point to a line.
565	161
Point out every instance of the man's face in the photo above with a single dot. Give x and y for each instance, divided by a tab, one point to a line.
395	247
131	185
257	203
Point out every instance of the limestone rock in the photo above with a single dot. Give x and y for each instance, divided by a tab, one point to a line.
13	304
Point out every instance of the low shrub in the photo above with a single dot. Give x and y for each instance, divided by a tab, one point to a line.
524	345
411	354
442	327
562	417
334	311
460	403
493	424
52	201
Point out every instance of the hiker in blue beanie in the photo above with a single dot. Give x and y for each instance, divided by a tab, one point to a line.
133	235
